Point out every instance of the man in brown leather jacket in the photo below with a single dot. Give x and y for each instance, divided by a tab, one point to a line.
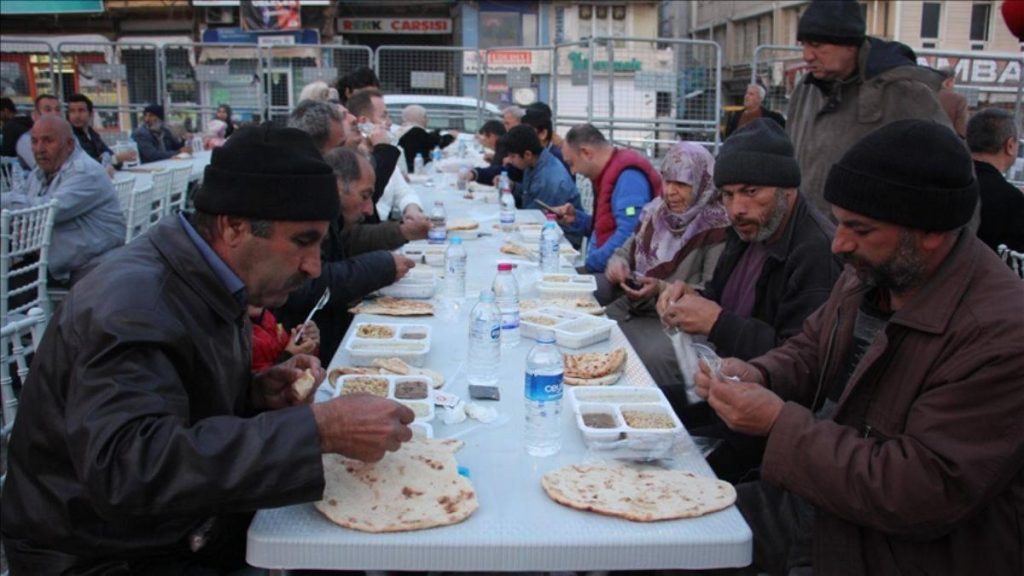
895	419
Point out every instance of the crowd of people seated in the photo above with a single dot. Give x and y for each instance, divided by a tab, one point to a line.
869	407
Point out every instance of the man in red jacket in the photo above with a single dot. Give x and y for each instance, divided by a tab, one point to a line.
895	419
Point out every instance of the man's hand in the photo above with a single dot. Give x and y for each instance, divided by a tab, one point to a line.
693	314
309	342
402	266
415	225
649	288
566	213
272	388
362	426
671	293
744	406
380	135
617	270
731	367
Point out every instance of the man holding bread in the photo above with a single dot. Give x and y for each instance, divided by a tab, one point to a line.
144	443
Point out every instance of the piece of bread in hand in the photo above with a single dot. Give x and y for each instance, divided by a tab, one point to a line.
304	385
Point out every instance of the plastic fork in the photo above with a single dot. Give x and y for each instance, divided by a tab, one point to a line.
319	306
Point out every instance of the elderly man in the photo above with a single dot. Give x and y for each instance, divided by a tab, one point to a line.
854	85
88	220
45	105
159	442
349	276
155	141
623	182
545	179
753	108
895	440
511	116
414	138
323	121
993	140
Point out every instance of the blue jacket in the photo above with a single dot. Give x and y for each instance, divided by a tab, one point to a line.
549	182
631	193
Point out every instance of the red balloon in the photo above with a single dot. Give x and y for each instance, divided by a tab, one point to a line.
1013	15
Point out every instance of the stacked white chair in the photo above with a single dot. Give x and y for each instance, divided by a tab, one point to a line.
1014	259
18	341
162	183
177	197
9	170
124	190
25	237
141	213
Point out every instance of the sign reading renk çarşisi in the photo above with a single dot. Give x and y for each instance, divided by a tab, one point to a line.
395	25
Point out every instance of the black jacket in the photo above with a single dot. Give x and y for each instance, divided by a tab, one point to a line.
487	174
135	425
12	131
732	122
150	144
91	142
416	140
385	160
1002	209
796	279
350	279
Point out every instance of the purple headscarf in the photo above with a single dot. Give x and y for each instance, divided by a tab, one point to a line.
663	233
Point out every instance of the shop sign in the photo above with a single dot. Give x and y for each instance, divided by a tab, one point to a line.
502	61
980	71
579	61
395	25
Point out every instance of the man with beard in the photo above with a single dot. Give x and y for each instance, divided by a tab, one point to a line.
155	140
895	437
776	269
143	442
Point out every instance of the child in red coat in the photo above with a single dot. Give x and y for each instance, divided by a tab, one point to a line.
272	344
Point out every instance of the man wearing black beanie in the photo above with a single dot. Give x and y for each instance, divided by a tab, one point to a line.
853	85
143	442
895	436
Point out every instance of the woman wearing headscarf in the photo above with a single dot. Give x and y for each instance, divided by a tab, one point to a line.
680	238
413	137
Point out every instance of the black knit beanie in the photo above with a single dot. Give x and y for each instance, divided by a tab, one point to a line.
832	22
269	173
913	173
759	154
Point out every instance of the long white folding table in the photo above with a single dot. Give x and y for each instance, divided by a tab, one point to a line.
144	172
517	527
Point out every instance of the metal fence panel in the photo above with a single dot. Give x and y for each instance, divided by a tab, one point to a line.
24	65
514	75
426	70
291	68
778	68
200	77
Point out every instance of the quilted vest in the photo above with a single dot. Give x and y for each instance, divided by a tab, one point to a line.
604	216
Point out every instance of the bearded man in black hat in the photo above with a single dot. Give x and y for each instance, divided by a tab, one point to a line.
895	418
155	140
144	443
853	85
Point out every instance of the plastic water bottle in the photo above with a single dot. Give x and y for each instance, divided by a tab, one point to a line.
455	269
508	204
417	164
506	294
544	371
438	227
462	148
550	241
197	144
484	356
435	158
106	159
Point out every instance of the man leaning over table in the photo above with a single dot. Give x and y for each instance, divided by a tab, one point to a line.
88	221
143	442
623	181
895	419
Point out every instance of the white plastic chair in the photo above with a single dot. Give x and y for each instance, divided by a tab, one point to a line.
124	190
178	195
141	213
8	173
1014	259
162	183
25	237
18	341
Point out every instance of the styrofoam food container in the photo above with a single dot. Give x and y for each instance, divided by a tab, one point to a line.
619	395
430	254
572	329
421	430
623	440
566	285
416	284
423	407
410	342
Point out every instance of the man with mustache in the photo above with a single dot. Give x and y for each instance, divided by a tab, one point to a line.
776	269
144	443
893	419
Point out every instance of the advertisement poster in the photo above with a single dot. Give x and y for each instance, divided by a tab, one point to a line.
270	15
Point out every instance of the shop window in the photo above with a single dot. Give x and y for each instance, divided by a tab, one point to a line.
499	29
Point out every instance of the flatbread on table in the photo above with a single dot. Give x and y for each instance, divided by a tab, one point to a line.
401	367
594	364
335	373
388	306
606	380
456	224
586	305
517	250
637	493
417	487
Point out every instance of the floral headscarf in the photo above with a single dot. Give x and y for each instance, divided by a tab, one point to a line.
663	233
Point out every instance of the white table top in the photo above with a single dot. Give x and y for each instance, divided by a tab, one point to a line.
517	527
144	172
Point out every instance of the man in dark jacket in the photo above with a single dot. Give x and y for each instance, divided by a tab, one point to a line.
144	442
992	138
80	117
349	268
155	140
895	442
491	136
854	84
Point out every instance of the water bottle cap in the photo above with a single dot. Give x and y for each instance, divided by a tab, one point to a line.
438	203
552	218
505	267
456	240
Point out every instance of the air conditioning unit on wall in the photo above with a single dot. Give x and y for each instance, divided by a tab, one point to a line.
221	15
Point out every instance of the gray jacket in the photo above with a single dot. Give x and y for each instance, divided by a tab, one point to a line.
88	221
826	118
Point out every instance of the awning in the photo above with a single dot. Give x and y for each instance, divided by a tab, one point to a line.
82	43
160	41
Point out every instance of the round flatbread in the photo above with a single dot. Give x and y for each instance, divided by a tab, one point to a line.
607	380
594	364
401	367
333	375
414	488
637	493
456	224
387	306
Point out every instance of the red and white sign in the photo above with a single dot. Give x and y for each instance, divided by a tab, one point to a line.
395	25
501	61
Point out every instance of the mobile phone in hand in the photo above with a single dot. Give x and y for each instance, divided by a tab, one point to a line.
633	283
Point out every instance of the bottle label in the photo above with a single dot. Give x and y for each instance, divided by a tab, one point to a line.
484	330
508	217
509	319
543	387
